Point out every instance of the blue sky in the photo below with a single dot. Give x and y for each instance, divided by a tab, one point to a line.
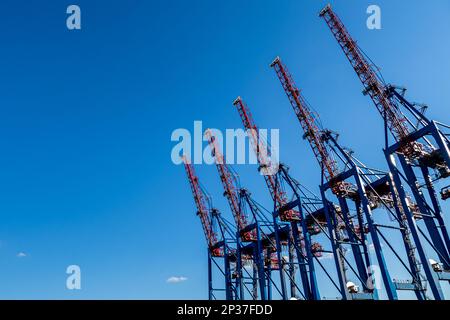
86	117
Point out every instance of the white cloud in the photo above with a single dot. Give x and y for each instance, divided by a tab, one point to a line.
21	255
176	279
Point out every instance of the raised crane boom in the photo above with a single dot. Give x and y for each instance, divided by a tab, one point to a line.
262	153
203	210
230	190
307	120
396	121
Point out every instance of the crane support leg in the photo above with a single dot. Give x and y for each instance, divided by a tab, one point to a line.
431	275
280	259
410	249
356	249
388	283
330	216
260	264
428	214
210	281
238	272
436	207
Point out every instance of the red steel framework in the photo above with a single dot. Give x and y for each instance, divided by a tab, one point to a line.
202	209
262	152
396	122
230	190
307	121
312	131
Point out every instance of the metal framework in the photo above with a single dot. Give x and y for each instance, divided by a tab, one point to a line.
219	237
261	241
250	246
371	189
353	219
419	145
297	215
264	160
230	189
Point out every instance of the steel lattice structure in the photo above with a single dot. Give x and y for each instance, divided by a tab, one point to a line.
363	191
299	215
273	253
219	237
414	148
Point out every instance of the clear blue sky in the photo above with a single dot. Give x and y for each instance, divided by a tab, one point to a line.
86	176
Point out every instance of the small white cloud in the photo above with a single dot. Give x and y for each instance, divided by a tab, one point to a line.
176	279
21	255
